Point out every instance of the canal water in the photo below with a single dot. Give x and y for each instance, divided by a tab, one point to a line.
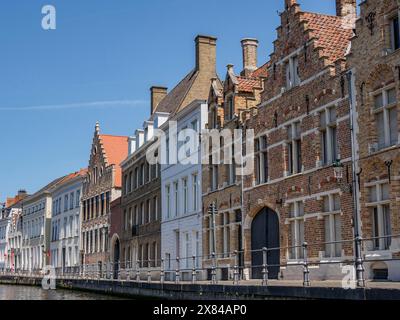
10	292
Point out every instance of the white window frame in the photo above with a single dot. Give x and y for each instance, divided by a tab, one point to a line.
332	214
297	218
386	108
379	205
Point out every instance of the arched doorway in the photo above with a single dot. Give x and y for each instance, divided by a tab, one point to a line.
116	258
265	234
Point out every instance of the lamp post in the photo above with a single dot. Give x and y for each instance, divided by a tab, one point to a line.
212	210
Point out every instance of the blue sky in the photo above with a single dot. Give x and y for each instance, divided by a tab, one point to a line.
99	65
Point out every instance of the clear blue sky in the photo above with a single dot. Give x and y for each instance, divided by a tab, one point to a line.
53	84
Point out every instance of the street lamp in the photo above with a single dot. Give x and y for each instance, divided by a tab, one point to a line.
212	211
338	168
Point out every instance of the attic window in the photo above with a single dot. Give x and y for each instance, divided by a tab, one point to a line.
292	73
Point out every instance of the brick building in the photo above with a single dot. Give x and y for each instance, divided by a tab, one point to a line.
376	45
102	185
228	104
142	182
302	128
116	230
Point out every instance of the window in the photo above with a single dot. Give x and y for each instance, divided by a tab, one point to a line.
176	197
213	175
333	226
232	165
71	226
214	117
385	110
155	209
130	182
78	198
230	108
261	158
294	149
148	211
226	235
142	174
292	73
329	146
379	197
136	178
185	195
195	196
66	203
71	200
141	214
296	214
125	221
395	33
195	125
168	200
167	151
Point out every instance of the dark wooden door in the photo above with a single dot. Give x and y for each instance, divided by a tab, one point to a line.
265	234
116	259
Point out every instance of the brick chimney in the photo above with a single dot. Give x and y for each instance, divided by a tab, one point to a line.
249	47
157	94
206	54
347	9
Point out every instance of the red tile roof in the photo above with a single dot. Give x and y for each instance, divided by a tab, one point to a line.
261	71
248	84
330	34
116	151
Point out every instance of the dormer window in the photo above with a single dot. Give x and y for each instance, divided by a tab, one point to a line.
292	73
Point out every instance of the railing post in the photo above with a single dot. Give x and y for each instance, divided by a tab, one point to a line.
265	267
359	263
236	268
214	269
138	271
177	271
194	272
306	271
162	272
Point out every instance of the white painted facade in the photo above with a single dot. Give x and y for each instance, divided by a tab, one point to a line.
181	226
66	224
36	226
15	239
4	231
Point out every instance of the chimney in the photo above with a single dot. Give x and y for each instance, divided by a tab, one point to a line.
347	9
206	54
289	3
249	47
131	145
22	193
157	94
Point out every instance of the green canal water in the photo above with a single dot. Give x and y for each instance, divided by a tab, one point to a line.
11	292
